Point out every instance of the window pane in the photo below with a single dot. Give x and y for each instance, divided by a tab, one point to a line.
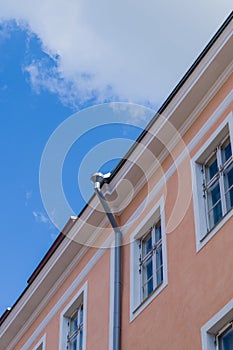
214	204
215	215
81	314
213	194
74	324
159	257
146	244
226	340
158	235
228	182
226	150
147	271
81	340
159	276
159	265
147	289
211	168
73	344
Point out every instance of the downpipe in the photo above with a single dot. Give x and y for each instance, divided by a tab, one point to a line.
98	179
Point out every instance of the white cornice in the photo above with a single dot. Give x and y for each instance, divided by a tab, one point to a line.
211	93
176	102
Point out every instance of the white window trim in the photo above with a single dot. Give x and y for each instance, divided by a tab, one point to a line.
42	342
210	330
136	306
64	320
202	237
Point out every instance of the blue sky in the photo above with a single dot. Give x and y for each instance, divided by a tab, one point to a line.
54	66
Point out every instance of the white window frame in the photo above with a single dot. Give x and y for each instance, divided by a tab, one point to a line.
222	332
203	235
42	342
137	305
77	300
211	331
151	255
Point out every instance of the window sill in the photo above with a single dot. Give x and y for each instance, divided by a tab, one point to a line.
138	309
203	241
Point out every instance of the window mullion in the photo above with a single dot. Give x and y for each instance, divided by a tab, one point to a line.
221	181
68	334
78	340
205	198
140	271
154	267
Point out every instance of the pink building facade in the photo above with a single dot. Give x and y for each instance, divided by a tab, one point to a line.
177	251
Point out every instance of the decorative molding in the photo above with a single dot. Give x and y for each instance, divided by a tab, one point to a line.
211	93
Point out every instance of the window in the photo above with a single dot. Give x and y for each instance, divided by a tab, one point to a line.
73	322
217	333
75	336
224	340
148	259
212	176
218	183
151	260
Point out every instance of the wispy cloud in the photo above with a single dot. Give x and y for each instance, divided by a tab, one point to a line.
72	92
4	30
40	217
28	196
133	113
53	236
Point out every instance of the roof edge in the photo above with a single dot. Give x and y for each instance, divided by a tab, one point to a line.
172	94
42	263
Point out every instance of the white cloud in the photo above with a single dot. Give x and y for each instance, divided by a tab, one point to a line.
4	31
53	236
28	196
40	217
128	50
135	114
